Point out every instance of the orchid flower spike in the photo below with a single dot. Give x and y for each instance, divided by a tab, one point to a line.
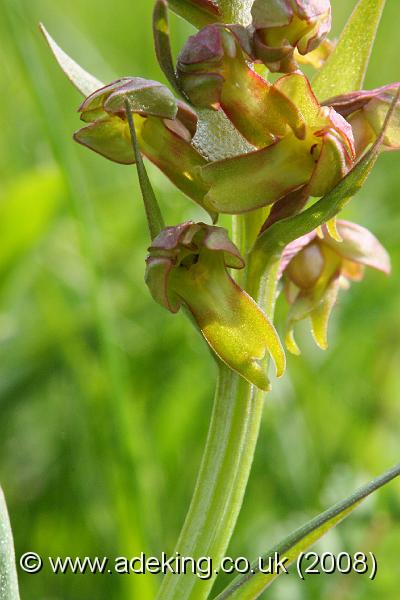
188	265
314	268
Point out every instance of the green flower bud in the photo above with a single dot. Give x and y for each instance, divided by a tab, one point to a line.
366	112
165	128
188	264
281	26
314	268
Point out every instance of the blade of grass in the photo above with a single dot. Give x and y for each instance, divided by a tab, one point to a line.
120	477
345	69
8	572
251	586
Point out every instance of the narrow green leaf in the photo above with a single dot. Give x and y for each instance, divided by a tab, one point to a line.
82	80
345	69
251	586
8	573
162	42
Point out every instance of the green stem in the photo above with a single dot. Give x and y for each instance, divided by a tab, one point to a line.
225	467
232	436
221	482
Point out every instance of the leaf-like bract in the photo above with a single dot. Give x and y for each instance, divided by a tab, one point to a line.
82	80
251	586
345	69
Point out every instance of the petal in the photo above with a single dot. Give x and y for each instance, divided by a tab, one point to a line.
360	245
320	315
158	270
330	167
232	323
96	99
292	249
297	87
247	182
331	228
175	156
217	239
146	97
108	137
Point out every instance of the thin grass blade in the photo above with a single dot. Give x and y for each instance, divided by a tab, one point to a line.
251	586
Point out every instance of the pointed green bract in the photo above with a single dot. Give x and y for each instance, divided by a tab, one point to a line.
250	587
8	573
82	80
345	69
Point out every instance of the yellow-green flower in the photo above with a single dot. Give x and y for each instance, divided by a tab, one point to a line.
188	265
316	266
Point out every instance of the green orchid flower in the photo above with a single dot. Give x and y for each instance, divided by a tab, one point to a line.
283	26
320	153
366	111
165	128
214	72
188	265
316	266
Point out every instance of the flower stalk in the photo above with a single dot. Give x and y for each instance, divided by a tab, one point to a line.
225	466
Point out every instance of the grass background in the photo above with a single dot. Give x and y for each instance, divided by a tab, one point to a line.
105	397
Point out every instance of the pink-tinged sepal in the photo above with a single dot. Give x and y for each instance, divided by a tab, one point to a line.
316	266
188	265
283	26
366	112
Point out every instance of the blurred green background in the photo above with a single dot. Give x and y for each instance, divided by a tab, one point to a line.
105	397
